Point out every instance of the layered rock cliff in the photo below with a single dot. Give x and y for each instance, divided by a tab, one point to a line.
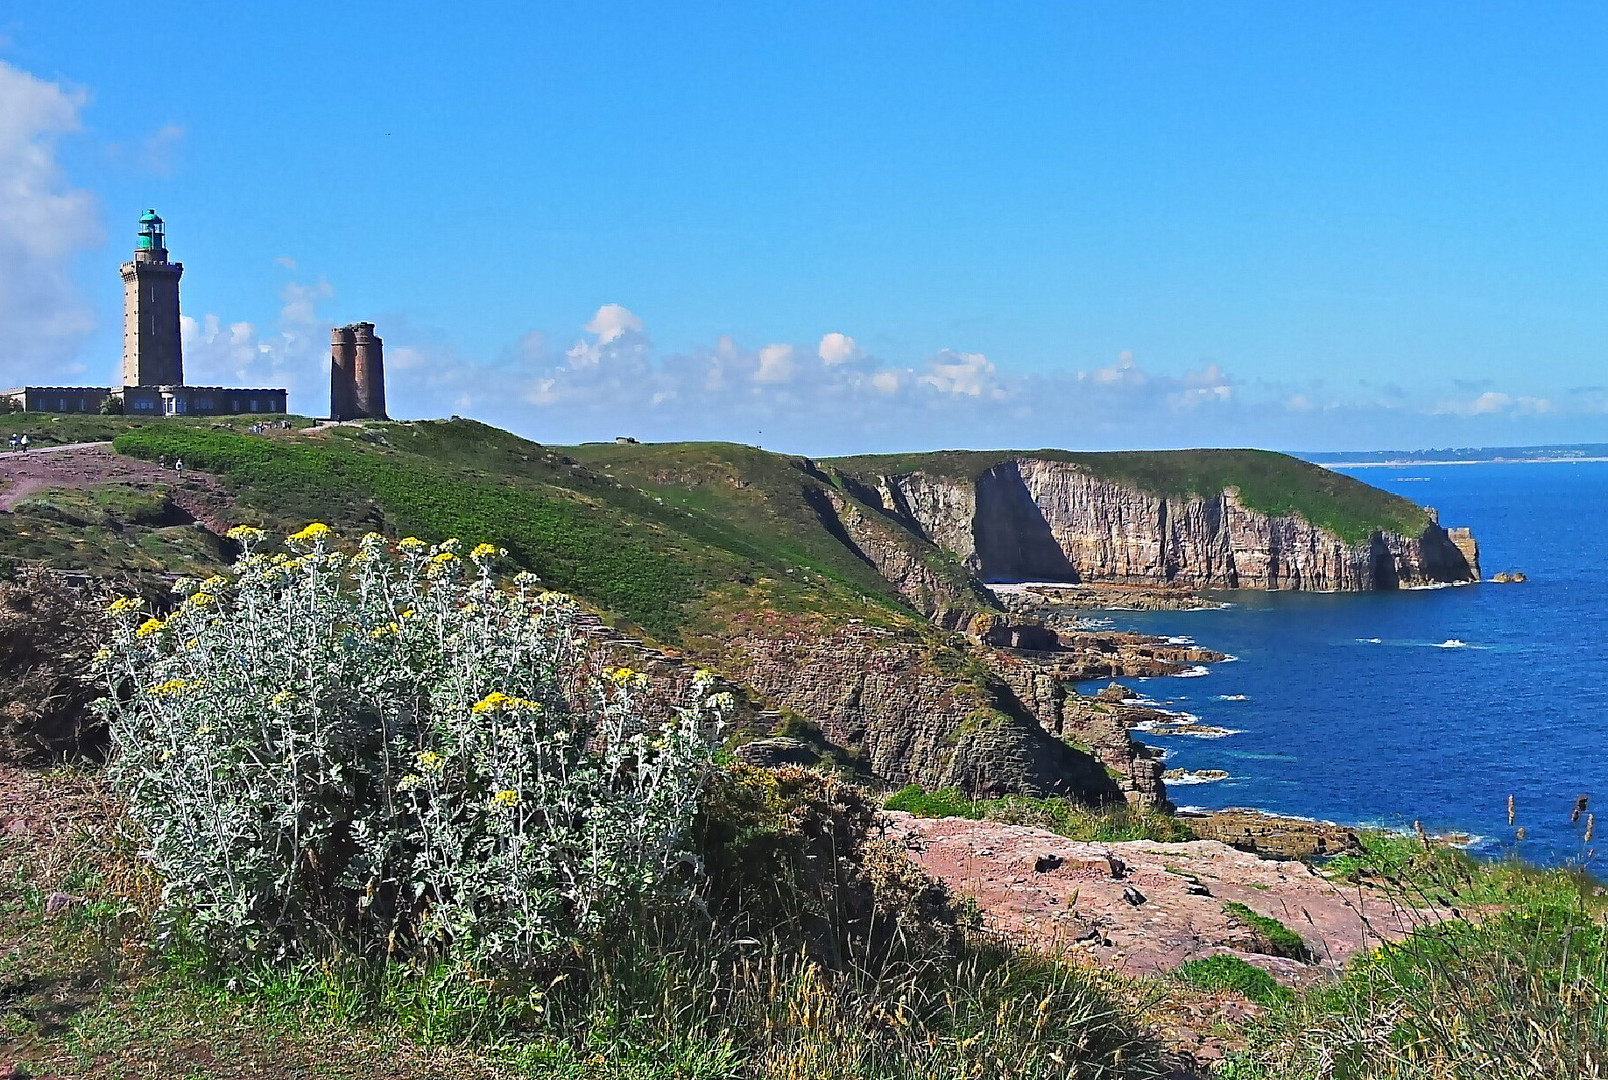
1027	518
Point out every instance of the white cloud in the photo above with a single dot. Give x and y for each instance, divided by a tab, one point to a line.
1495	403
44	223
971	374
775	364
1122	373
836	348
294	355
616	332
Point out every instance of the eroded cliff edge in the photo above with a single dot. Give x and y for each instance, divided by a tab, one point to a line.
1219	519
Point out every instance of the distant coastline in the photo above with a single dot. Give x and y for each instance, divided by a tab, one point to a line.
1555	454
1405	463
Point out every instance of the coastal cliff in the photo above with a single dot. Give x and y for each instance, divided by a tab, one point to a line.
1057	518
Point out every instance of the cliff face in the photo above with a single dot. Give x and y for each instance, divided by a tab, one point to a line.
912	716
1028	518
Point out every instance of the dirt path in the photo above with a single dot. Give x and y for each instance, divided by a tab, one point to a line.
82	465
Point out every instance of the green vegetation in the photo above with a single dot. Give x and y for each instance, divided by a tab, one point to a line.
1274	484
1224	972
662	995
109	528
630	551
1105	824
1273	937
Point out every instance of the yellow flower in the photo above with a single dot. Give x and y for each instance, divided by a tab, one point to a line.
483	552
215	582
170	688
408	614
102	655
245	534
409	782
124	603
621	675
192	643
410	543
506	797
497	701
443	557
429	761
149	627
384	631
282	699
316	531
201	599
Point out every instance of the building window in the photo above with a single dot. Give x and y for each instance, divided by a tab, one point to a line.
254	404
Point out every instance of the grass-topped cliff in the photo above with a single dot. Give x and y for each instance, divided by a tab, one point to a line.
1274	484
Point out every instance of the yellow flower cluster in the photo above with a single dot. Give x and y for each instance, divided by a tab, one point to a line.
282	699
201	600
496	701
315	531
506	797
390	629
483	552
245	534
149	627
124	603
429	761
171	688
620	675
443	557
410	543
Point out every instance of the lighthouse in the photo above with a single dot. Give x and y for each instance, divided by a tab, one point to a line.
152	352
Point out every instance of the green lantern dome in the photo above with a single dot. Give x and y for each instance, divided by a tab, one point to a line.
150	218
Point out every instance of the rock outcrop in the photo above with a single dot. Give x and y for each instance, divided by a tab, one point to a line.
1030	518
912	712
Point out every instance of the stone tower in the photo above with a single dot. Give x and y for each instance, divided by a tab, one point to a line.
152	353
356	373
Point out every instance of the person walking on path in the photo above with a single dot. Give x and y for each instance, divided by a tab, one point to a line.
178	467
25	442
15	439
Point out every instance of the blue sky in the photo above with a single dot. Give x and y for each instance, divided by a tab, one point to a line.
834	227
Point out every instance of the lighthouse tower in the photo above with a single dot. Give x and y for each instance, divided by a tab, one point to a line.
152	354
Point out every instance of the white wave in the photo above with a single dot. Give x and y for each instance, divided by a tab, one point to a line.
1193	778
1232	697
1193	673
1370	641
1229	658
1180	639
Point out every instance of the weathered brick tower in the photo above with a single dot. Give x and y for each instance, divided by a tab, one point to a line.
152	353
356	373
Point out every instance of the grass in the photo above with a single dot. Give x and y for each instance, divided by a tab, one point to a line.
1274	484
627	550
1273	937
1106	824
1230	973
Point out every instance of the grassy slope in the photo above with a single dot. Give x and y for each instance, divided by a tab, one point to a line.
1274	484
635	553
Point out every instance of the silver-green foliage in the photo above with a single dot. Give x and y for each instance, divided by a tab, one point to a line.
391	753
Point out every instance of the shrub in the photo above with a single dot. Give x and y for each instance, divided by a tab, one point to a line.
1224	972
792	855
389	753
48	632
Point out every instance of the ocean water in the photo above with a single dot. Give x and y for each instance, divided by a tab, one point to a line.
1430	705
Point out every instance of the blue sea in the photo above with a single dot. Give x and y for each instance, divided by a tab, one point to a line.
1430	705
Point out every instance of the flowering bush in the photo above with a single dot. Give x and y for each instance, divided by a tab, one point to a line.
392	753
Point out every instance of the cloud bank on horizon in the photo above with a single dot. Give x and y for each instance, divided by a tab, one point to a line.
608	377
